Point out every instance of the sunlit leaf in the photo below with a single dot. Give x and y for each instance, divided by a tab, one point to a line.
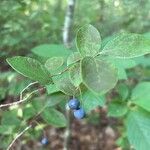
138	130
30	68
88	40
127	45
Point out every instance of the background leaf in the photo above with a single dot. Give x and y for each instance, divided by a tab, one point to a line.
55	98
141	95
138	130
51	50
88	40
117	109
123	91
54	117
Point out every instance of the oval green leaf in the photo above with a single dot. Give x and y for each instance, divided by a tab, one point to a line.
30	68
138	130
127	45
88	40
99	76
54	117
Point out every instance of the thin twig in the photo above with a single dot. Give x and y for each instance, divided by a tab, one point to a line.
28	127
18	136
67	132
21	100
21	93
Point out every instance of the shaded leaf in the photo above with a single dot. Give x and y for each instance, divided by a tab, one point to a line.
54	117
117	109
99	76
123	91
75	74
55	98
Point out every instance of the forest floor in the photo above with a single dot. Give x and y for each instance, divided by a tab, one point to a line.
84	136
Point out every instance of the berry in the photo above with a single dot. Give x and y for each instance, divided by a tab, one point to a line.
44	141
79	114
74	104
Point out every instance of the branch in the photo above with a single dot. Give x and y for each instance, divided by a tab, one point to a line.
67	133
68	22
21	93
21	100
18	136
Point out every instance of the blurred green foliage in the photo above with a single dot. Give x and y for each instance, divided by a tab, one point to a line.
25	24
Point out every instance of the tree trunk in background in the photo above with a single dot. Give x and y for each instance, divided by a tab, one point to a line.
67	40
68	23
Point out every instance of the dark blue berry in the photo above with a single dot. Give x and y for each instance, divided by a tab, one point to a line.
44	141
79	114
74	104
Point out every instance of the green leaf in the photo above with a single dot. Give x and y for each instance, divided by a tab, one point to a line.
6	129
123	63
54	117
28	112
99	76
141	95
122	75
141	90
127	45
54	63
144	61
75	74
30	68
88	41
91	101
55	98
10	118
73	58
64	84
138	130
2	93
51	50
51	88
117	109
123	90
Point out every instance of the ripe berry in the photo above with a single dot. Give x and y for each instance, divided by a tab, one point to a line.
74	104
79	114
44	141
